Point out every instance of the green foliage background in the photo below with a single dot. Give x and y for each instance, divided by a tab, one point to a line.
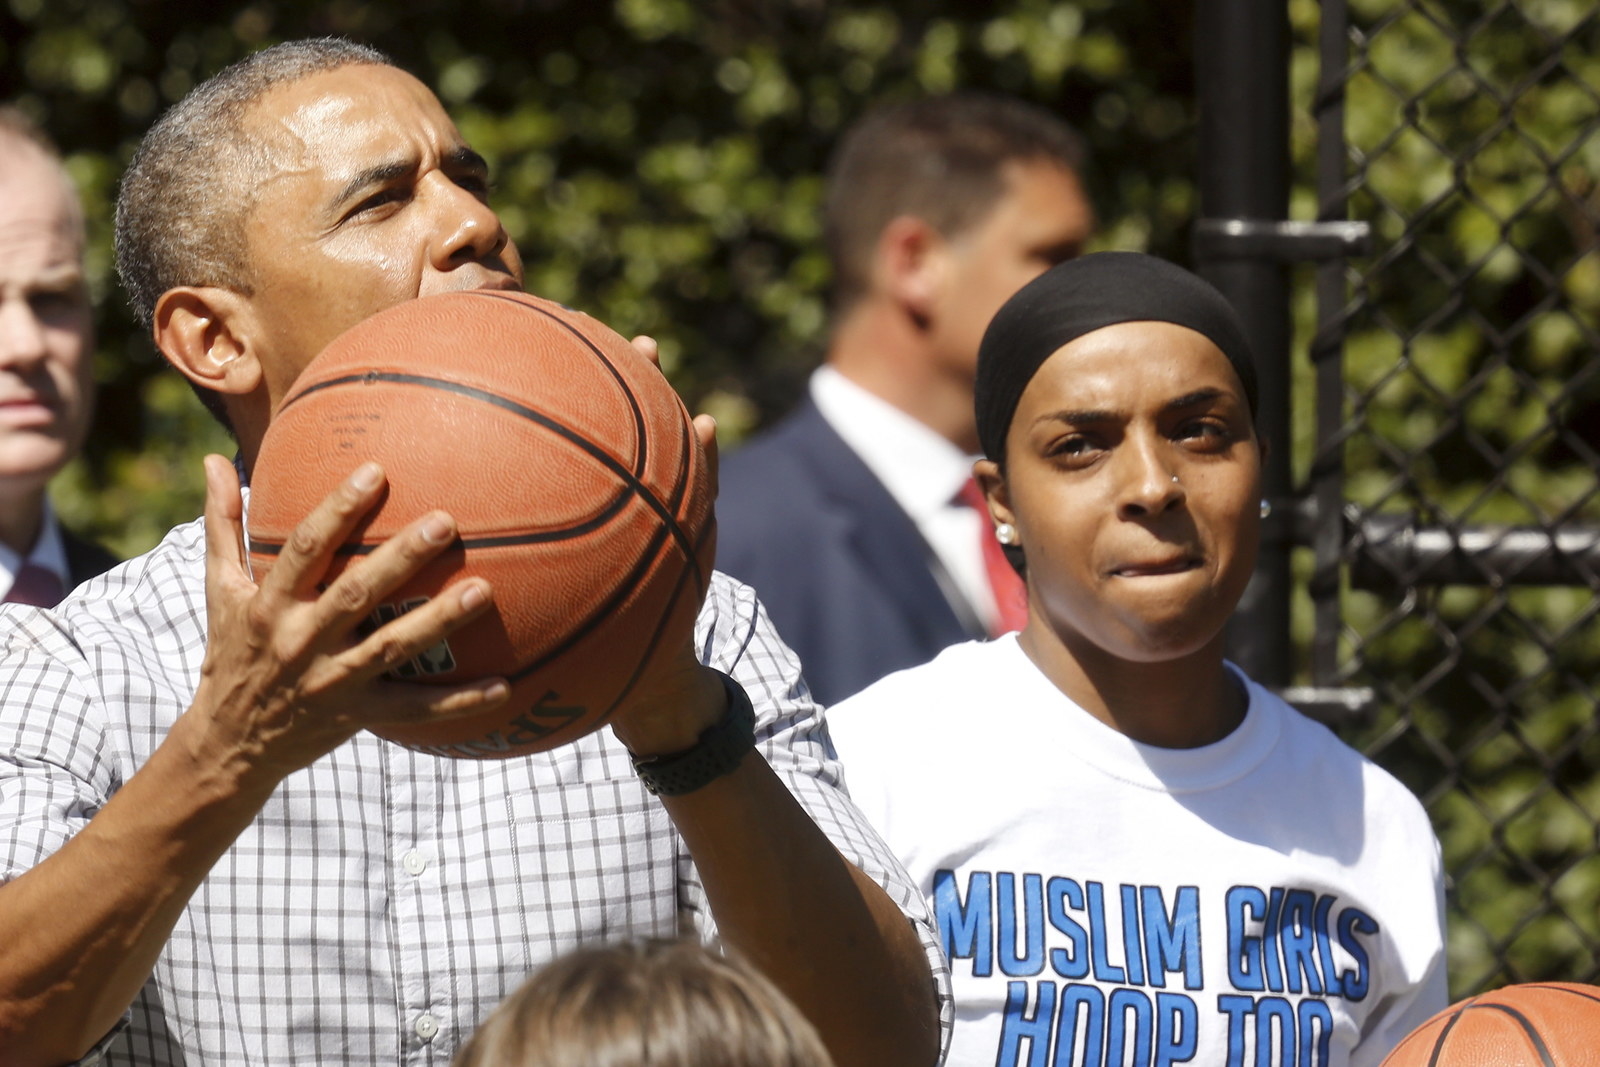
658	163
1470	393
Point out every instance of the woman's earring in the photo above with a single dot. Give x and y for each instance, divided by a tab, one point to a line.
1005	533
1266	507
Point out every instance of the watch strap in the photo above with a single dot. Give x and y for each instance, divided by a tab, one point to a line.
716	752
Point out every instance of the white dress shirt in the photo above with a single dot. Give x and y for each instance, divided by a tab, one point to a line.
922	471
49	551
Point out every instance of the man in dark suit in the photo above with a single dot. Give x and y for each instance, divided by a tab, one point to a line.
46	383
851	517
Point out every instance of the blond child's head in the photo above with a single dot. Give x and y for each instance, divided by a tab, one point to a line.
647	1003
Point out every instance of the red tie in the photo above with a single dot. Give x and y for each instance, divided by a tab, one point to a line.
1010	594
35	585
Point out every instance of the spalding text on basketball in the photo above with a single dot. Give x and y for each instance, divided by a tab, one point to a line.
543	719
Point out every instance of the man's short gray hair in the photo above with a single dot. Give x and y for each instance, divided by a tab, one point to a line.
184	199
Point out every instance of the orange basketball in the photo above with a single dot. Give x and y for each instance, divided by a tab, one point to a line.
1540	1024
574	476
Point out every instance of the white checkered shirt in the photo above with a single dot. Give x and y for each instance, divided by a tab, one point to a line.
384	900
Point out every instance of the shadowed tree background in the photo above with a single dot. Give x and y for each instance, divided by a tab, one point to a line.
658	162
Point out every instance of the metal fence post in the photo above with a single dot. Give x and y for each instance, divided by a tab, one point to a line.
1242	71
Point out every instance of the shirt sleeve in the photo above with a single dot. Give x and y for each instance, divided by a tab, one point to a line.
54	770
1417	980
53	774
735	636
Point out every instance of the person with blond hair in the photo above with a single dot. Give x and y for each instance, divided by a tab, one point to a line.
646	1003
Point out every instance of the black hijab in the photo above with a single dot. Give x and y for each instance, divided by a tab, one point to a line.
1081	296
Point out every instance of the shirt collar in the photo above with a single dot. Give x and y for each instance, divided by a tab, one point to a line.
919	467
49	551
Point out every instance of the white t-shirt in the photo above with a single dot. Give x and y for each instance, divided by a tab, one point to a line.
1271	900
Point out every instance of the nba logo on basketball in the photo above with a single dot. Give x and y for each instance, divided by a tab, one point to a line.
429	662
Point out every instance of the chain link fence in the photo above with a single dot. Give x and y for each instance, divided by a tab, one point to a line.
1450	499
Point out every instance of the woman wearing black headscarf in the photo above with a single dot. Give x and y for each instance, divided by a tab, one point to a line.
1134	853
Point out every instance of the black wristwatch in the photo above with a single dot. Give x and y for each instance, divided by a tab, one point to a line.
716	752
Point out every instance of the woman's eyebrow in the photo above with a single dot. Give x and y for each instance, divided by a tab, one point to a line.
1193	399
1079	418
1086	416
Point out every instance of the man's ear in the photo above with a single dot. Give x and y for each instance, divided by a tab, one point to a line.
205	332
910	263
992	480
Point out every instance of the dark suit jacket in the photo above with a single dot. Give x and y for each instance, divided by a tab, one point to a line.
839	565
85	559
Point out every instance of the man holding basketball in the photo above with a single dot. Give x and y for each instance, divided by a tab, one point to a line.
206	857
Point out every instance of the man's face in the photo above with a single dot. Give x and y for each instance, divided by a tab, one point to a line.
46	374
1041	219
370	197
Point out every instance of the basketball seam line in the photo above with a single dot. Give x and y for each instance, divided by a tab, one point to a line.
623	588
655	638
633	401
1559	988
685	431
1527	1028
629	479
565	533
1438	1046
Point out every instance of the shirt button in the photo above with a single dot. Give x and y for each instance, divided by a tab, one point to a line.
427	1026
414	863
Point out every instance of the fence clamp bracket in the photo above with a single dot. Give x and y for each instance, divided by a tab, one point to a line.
1280	240
1333	705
